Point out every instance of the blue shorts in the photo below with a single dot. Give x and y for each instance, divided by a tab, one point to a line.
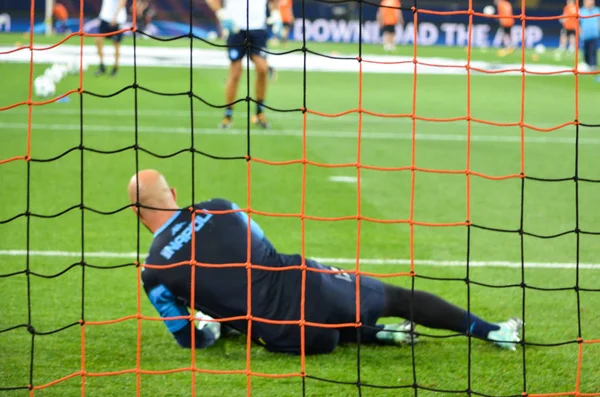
237	44
331	299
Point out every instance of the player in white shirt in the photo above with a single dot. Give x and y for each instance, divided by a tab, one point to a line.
112	14
243	20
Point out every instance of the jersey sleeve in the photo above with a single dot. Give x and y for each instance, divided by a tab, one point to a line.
168	306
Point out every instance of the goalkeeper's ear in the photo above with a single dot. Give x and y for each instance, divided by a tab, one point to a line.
137	212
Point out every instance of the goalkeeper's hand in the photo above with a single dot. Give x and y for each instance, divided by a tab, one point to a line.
212	326
227	24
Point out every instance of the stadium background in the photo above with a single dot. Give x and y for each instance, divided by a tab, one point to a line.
325	22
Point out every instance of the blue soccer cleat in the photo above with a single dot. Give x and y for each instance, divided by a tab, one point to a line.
508	336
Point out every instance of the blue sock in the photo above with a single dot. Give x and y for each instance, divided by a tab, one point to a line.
478	327
259	107
228	112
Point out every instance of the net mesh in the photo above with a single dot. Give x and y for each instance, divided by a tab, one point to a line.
414	170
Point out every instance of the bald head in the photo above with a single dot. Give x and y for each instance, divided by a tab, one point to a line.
154	191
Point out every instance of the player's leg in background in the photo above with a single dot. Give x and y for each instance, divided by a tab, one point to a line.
393	40
431	311
508	42
562	44
258	57
100	48
502	49
262	70
236	52
285	32
572	42
117	43
231	86
594	58
587	54
388	38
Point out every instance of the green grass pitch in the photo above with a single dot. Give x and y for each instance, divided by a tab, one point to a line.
164	122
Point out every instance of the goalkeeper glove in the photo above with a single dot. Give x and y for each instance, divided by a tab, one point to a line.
213	326
227	24
275	21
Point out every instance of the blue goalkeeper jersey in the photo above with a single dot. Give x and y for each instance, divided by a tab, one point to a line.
222	292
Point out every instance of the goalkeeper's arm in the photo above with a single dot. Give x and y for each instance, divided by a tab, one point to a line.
167	306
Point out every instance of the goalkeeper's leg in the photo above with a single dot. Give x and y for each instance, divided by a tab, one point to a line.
432	311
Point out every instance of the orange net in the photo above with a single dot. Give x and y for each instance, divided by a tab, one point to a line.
413	168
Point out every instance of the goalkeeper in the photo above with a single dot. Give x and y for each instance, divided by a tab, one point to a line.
221	292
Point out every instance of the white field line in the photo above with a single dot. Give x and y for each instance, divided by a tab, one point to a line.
337	261
217	58
343	179
352	118
386	135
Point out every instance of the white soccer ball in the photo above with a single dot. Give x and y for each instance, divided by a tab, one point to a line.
61	68
73	66
53	74
489	10
44	86
539	48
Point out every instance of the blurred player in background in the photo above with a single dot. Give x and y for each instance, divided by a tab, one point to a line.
590	34
569	29
144	14
286	10
506	21
237	26
274	28
389	15
61	15
228	237
112	14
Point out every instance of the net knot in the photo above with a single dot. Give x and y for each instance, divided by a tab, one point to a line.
30	329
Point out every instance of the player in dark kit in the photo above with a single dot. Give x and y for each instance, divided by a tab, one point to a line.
221	292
